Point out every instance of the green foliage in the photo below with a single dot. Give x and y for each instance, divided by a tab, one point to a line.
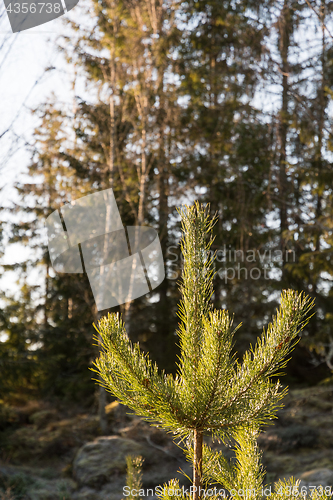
134	475
212	393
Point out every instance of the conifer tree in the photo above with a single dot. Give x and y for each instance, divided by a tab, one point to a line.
212	393
46	322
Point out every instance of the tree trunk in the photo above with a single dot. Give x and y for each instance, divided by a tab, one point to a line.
197	464
321	121
285	30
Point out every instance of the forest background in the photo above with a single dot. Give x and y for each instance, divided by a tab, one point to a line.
227	102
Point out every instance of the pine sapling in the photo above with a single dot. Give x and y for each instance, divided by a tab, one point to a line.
134	476
212	393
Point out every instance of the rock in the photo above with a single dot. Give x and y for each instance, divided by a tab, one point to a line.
96	462
114	491
316	477
288	438
86	494
53	491
103	462
110	491
137	430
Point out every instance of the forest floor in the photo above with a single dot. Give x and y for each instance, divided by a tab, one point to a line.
49	453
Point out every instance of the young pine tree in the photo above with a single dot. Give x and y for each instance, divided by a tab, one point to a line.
212	393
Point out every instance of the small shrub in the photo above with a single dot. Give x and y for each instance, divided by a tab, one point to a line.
213	393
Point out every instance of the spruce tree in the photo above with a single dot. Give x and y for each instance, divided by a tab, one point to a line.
212	393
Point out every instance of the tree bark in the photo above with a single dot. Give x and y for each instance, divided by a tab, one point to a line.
285	30
197	464
321	121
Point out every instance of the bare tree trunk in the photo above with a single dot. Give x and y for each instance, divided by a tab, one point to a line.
197	464
142	101
285	30
322	106
112	115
